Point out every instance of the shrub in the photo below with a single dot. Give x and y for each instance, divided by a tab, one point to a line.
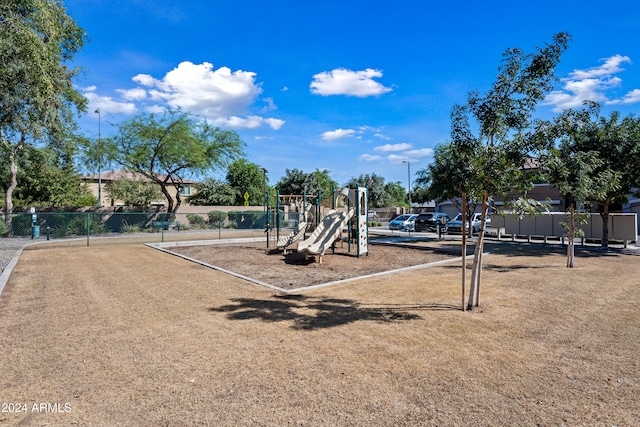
3	228
216	218
129	228
195	221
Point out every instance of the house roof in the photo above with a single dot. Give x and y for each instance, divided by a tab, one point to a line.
131	176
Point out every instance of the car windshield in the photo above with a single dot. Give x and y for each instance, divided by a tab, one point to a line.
458	217
428	215
402	218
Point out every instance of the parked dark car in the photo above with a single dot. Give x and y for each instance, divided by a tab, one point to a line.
428	221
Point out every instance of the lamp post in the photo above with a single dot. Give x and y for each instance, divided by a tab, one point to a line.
99	162
408	180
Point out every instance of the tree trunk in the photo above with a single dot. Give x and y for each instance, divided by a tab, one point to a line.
474	289
167	195
483	220
604	214
464	248
570	245
13	183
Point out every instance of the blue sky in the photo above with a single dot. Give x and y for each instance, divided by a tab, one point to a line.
350	86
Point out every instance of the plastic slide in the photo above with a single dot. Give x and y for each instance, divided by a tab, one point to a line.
294	236
325	234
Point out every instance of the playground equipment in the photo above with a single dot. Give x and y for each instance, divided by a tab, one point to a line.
296	234
331	226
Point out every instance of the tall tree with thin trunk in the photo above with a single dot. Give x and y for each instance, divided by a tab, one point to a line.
37	41
502	116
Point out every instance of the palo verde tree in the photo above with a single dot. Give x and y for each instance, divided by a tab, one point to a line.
37	41
613	144
169	148
502	117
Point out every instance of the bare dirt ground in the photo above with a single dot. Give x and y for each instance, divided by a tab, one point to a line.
125	335
292	270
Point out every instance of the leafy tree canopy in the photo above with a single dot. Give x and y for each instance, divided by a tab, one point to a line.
212	192
45	179
37	40
245	177
169	148
380	195
298	182
597	159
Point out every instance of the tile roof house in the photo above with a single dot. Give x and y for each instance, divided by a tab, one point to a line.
96	182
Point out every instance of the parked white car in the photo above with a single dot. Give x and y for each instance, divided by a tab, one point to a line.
455	225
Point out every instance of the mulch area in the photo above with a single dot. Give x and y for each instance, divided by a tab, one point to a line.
293	271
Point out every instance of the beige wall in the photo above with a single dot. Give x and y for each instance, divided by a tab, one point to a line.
107	201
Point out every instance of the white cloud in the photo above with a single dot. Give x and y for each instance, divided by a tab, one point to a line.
249	122
220	95
632	97
400	153
393	147
106	104
422	152
382	136
397	158
144	80
136	94
611	66
346	82
591	84
270	105
202	90
338	134
370	158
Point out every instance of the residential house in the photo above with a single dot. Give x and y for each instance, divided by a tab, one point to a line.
97	184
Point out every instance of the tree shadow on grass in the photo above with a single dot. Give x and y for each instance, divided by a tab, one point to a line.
309	313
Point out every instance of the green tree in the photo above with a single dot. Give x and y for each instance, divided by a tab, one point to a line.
503	119
44	179
396	194
572	173
326	184
378	197
212	192
245	177
168	149
613	171
295	181
317	182
455	169
133	192
37	40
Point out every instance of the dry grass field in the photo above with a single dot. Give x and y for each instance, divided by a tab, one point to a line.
126	335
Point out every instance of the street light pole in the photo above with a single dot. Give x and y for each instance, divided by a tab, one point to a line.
408	180
99	162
